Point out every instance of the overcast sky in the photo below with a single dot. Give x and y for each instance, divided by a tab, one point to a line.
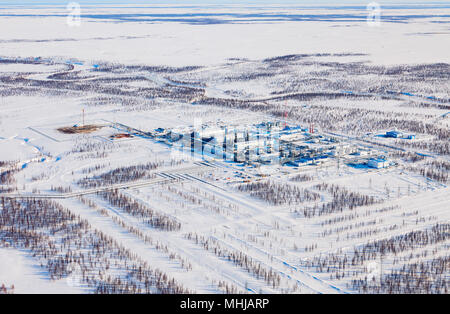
296	2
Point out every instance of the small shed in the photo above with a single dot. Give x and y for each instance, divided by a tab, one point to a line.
378	163
394	134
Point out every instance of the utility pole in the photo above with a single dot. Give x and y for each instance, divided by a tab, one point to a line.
381	269
285	114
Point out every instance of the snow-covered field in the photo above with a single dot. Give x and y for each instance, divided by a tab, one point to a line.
90	202
204	36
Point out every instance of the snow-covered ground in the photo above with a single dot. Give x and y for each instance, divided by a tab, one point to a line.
128	71
184	36
19	269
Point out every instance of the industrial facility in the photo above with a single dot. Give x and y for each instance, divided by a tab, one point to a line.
401	135
264	143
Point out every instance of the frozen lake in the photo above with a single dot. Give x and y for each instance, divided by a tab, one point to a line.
190	35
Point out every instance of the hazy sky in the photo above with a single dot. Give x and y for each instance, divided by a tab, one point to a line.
296	2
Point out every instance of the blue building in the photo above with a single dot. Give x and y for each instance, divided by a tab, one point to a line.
378	163
394	134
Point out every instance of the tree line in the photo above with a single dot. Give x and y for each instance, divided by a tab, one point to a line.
60	239
278	193
141	211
